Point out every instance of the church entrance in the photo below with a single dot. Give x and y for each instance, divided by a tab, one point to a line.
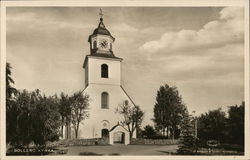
105	133
119	137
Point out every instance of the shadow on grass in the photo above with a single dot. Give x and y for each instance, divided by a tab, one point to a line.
114	154
89	154
169	153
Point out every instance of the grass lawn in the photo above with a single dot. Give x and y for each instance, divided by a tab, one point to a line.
119	149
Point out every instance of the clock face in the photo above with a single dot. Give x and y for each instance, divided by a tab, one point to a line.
103	43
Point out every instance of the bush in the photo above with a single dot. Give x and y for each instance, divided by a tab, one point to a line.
148	132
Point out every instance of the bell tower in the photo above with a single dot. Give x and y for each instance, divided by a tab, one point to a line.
101	65
103	85
101	40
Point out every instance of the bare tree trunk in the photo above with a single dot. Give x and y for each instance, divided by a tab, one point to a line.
77	128
67	130
173	134
62	127
76	133
130	135
130	132
167	131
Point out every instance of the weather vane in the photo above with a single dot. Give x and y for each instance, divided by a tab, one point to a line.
101	14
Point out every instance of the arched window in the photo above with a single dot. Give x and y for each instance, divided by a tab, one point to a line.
95	45
105	100
104	70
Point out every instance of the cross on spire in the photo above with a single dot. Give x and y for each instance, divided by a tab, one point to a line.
101	14
101	19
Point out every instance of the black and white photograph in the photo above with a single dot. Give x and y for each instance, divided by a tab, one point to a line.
129	79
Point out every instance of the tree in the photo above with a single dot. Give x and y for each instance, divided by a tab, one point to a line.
149	132
211	126
79	109
168	110
9	89
132	117
11	110
187	143
32	118
64	110
235	124
17	120
45	120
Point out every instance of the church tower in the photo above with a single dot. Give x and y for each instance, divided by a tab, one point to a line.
103	85
101	53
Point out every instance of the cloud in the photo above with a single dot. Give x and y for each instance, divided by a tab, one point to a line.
123	27
229	28
206	59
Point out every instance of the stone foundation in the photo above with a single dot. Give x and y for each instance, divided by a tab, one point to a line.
140	141
87	142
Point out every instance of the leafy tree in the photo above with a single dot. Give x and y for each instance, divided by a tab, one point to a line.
17	120
149	132
64	110
132	116
235	124
168	110
211	126
45	120
139	132
187	144
32	118
79	105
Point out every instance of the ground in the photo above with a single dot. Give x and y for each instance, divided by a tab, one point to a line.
119	149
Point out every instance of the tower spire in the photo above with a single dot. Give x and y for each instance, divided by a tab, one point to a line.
101	24
101	15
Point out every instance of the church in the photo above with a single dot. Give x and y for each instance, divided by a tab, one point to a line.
103	85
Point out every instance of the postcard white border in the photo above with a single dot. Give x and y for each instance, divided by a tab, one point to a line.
124	3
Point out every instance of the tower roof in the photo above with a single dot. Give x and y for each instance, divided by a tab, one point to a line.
105	56
101	29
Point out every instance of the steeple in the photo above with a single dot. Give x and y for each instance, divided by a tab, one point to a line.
101	29
101	24
101	43
101	40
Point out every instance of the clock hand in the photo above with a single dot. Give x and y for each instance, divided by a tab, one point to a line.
104	44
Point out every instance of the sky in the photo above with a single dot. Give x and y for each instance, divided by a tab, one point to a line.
200	50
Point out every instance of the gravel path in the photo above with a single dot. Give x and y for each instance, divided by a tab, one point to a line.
119	149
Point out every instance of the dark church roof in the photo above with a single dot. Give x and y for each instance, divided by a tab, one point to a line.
105	55
101	29
111	56
114	127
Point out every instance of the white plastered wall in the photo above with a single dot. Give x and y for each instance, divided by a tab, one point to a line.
91	127
94	71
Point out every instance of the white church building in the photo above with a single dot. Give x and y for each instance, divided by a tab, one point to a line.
103	85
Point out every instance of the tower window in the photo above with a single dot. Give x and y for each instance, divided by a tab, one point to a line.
110	46
95	45
104	70
105	100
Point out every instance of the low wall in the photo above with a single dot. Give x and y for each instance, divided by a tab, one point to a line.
88	142
153	141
